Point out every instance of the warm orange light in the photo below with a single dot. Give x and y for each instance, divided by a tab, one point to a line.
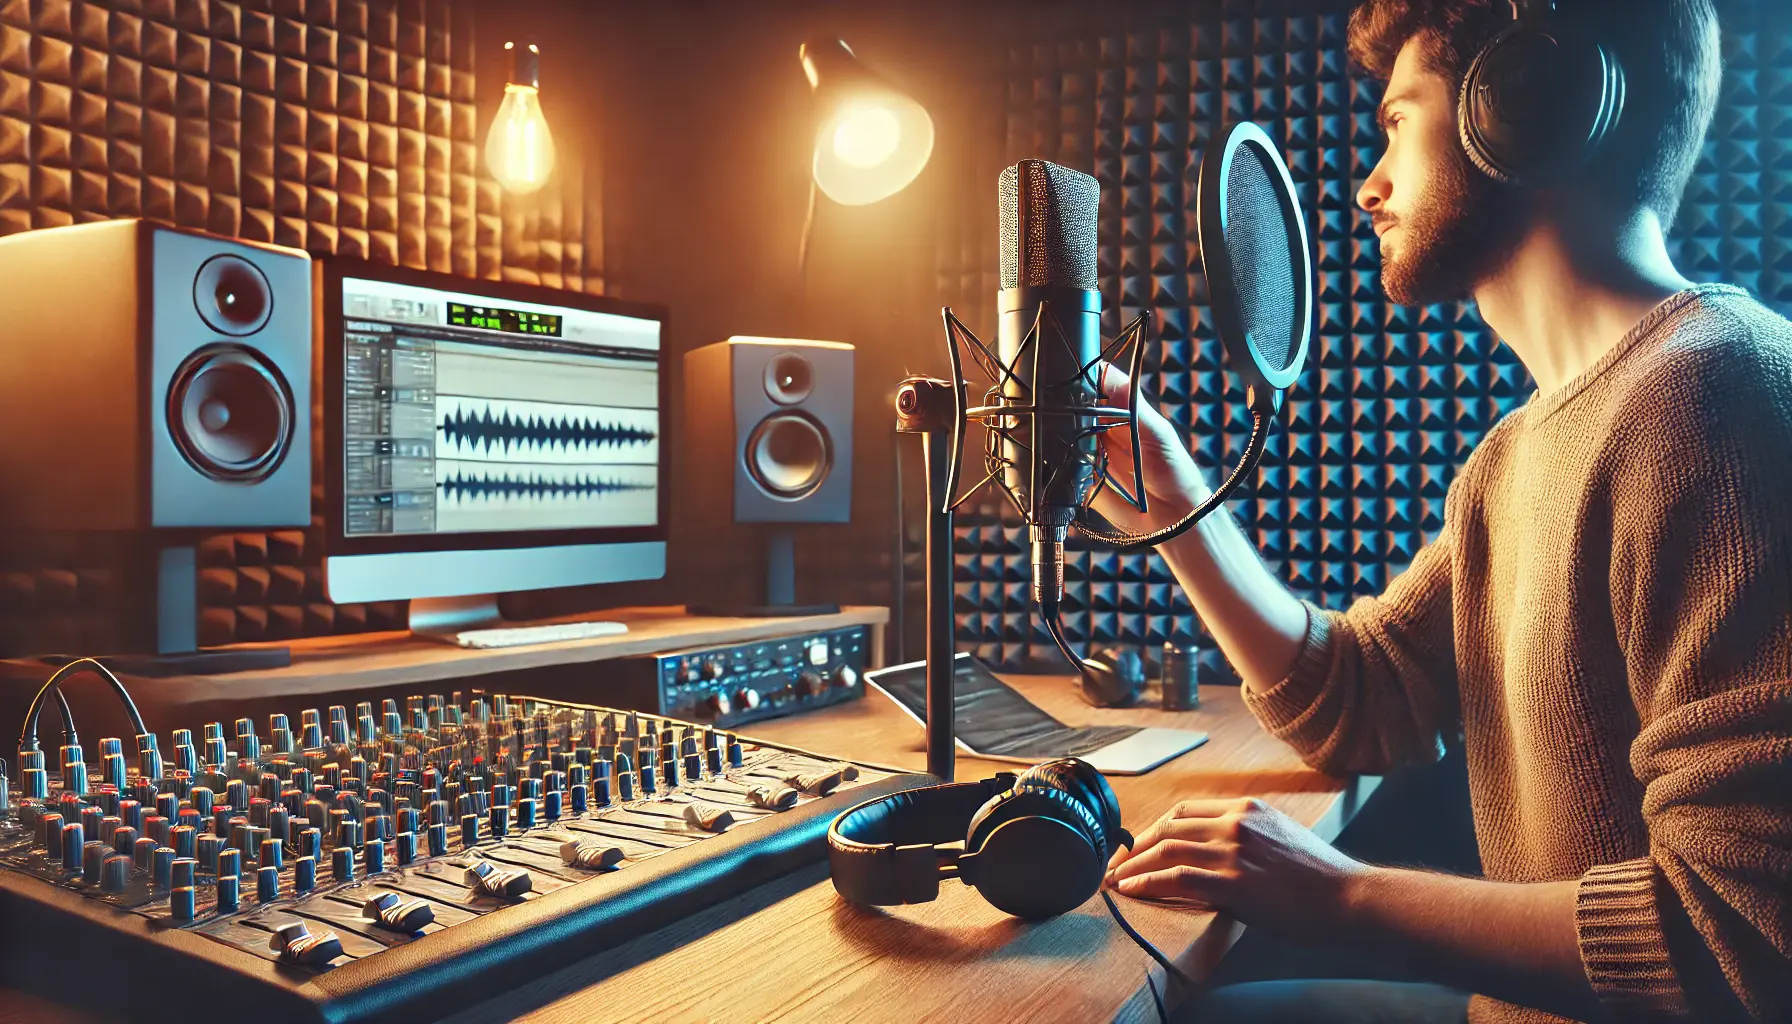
871	138
519	149
867	135
872	148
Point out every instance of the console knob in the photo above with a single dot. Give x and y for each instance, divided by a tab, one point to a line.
114	871
845	676
505	884
747	698
808	684
391	911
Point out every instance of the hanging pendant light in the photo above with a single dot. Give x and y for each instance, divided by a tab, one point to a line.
519	149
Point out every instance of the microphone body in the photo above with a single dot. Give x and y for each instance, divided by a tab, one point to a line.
1050	456
1049	338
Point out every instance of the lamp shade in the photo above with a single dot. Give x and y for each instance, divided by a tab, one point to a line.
871	138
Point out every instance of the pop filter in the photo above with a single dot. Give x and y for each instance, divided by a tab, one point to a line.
1259	274
1258	268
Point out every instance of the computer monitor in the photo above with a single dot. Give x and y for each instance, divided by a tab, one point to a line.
482	437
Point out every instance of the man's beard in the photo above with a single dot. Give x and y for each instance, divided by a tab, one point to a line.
1460	230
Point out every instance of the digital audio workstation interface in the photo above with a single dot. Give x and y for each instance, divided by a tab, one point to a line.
464	414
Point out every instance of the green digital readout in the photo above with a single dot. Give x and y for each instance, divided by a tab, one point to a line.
497	318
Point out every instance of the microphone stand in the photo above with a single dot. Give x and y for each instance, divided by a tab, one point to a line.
926	406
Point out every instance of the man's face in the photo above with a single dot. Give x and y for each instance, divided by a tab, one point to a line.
1443	225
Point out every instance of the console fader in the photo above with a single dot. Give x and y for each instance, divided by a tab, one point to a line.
368	866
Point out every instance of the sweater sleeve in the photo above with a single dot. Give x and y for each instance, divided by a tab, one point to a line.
1374	686
1701	578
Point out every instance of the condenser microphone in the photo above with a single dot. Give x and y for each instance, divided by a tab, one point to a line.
1043	414
1049	342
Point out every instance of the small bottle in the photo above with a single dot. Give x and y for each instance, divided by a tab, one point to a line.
1180	693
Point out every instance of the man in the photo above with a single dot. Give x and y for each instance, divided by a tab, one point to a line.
1605	615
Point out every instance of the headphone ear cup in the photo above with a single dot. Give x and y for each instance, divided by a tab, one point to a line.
1537	101
1088	787
1037	852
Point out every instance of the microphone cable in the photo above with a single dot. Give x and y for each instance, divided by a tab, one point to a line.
1126	540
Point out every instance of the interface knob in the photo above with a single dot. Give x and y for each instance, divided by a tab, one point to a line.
808	684
746	698
713	706
712	670
845	676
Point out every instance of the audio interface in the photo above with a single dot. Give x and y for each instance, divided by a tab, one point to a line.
730	685
400	865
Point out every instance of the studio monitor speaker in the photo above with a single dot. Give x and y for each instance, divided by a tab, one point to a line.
772	417
153	378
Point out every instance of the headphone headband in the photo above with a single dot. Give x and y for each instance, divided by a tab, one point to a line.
896	849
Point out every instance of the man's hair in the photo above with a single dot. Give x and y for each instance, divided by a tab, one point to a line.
1669	50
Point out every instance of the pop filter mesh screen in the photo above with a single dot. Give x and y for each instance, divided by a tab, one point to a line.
1260	245
1048	226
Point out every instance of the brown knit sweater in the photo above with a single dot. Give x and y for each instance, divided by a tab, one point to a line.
1606	615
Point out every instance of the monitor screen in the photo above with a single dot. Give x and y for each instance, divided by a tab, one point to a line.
467	414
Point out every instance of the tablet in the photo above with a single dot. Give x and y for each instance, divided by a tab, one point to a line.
994	720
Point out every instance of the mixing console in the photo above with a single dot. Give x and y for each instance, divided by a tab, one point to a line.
383	864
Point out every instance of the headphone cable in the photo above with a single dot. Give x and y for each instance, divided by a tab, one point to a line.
1150	950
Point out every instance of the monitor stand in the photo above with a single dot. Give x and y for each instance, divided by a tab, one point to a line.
780	586
440	618
445	618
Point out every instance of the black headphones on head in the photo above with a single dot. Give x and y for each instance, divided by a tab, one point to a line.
1036	844
1541	98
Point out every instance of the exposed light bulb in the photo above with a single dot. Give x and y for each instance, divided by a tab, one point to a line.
519	149
867	136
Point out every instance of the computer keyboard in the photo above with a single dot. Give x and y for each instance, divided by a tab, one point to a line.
520	636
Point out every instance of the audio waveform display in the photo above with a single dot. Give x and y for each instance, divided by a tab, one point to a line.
504	486
474	495
539	431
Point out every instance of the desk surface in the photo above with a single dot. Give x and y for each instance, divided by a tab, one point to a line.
794	951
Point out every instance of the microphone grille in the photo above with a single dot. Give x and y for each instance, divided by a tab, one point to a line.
1049	217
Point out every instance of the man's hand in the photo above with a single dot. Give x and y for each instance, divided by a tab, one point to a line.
1173	483
1246	858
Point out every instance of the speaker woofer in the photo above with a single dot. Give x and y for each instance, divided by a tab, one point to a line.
789	378
230	413
789	455
232	295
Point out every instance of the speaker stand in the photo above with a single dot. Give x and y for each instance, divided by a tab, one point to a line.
780	586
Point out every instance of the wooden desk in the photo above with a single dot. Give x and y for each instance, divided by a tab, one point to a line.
794	951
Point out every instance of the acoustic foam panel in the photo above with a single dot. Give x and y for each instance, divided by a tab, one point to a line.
1393	398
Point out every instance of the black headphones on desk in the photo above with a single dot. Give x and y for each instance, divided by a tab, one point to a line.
1036	844
1541	98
